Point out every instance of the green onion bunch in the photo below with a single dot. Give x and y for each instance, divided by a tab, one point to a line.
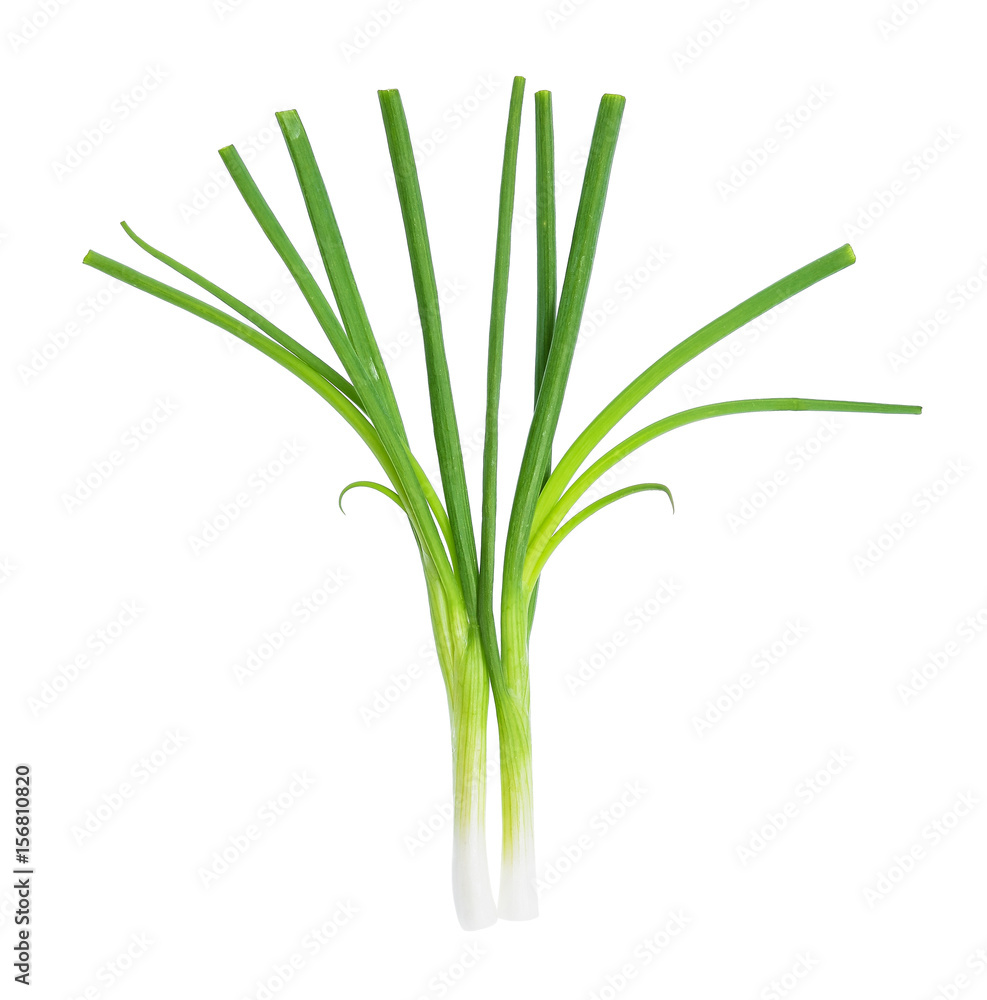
477	653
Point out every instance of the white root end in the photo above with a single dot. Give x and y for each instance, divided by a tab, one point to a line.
471	879
518	895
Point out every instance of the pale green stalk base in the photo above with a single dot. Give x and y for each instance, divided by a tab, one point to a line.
468	719
518	898
468	692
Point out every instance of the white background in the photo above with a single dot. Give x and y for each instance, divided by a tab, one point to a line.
705	93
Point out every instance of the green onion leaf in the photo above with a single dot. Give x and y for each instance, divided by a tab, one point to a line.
273	350
543	533
258	319
531	577
459	586
547	275
566	330
385	418
679	355
445	428
335	260
370	485
495	364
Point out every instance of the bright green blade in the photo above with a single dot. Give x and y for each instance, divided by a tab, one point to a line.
273	350
391	435
444	425
441	517
350	413
297	267
335	259
571	303
577	519
495	364
251	315
679	355
606	462
370	485
545	233
547	279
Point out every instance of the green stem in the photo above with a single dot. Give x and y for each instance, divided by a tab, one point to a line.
460	655
672	360
537	449
518	899
444	425
495	363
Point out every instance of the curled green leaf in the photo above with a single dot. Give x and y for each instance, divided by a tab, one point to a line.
537	559
371	485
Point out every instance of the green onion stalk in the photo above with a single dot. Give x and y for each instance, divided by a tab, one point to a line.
480	651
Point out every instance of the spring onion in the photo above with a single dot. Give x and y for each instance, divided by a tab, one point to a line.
479	651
